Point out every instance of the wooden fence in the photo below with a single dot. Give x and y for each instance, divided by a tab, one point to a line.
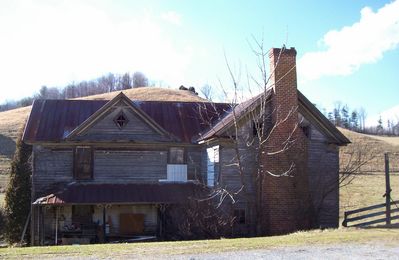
388	213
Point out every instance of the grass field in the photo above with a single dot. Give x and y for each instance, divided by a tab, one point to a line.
168	249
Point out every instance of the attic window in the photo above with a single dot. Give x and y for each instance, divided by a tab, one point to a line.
121	120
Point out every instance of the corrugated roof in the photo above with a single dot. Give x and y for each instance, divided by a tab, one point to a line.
53	120
78	193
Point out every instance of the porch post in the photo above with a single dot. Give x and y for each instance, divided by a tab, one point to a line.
104	225
56	225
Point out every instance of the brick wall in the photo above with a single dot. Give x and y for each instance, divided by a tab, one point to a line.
284	200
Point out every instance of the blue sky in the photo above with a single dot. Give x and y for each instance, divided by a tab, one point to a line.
347	50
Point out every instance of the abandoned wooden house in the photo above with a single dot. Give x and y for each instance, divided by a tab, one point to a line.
104	169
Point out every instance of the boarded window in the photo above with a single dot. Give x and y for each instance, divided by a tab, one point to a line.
83	163
239	216
176	155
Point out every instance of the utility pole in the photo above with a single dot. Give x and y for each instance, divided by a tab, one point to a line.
387	191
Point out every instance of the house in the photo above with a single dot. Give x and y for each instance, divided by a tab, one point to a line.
105	169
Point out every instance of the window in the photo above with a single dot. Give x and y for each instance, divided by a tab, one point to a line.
121	120
176	155
306	130
83	163
212	165
239	216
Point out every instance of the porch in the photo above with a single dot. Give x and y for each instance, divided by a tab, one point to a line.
98	213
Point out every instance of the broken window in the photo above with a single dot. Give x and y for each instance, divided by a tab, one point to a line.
121	120
83	163
176	155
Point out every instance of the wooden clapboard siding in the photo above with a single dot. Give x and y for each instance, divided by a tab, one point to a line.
194	156
323	167
136	129
50	168
129	166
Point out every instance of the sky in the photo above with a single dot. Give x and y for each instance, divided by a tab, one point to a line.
347	51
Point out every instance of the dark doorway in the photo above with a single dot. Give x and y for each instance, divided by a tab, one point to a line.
82	214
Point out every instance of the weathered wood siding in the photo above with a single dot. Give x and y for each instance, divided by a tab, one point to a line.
136	129
230	175
129	166
323	165
194	156
50	168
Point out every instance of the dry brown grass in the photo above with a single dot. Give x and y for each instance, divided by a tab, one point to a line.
378	146
152	94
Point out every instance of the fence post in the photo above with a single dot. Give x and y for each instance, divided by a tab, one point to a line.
345	222
387	191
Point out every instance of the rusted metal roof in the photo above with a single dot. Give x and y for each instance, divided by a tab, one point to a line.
78	193
239	111
308	110
53	120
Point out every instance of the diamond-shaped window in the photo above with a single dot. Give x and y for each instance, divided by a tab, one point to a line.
121	120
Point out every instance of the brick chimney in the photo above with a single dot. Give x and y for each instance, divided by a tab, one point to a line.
284	201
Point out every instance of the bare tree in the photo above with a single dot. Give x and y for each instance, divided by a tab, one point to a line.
207	91
362	118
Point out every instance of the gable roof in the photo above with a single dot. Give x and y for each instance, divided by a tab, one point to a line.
239	110
53	120
306	108
310	112
107	107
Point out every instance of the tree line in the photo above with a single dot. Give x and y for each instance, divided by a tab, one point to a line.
104	84
355	120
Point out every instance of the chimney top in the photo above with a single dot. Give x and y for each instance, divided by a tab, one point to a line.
284	51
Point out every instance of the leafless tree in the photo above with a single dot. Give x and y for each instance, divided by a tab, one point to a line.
206	91
362	118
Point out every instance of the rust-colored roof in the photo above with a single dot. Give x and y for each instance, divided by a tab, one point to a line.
53	120
239	111
308	110
78	193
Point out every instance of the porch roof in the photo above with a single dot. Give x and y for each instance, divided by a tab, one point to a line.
169	193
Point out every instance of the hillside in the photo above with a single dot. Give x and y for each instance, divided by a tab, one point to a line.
11	121
368	189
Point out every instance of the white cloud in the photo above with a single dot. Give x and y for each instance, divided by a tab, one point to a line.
55	42
172	17
391	114
347	49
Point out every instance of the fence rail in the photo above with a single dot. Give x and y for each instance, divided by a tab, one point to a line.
387	219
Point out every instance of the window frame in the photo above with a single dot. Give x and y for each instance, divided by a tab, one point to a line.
125	122
77	174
